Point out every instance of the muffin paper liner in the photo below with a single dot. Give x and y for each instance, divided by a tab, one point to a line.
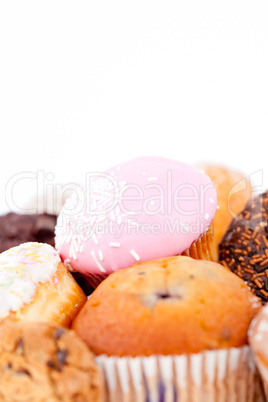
205	247
226	375
264	374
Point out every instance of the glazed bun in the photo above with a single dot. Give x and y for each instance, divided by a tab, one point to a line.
36	286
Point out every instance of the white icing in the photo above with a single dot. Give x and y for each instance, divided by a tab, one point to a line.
21	269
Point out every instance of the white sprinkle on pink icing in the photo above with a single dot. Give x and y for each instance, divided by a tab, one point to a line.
185	227
97	262
94	238
135	255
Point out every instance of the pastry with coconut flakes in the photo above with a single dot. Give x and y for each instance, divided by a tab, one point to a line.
143	209
36	286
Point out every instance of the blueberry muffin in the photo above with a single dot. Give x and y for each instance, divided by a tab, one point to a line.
174	305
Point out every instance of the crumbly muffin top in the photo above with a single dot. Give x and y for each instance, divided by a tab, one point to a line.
43	362
169	306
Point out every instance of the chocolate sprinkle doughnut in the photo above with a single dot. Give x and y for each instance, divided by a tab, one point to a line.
244	247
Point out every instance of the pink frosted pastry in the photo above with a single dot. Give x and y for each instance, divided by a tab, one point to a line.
144	209
258	339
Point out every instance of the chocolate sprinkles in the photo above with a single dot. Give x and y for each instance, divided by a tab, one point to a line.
249	258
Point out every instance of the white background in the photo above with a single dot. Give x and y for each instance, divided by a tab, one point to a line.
86	85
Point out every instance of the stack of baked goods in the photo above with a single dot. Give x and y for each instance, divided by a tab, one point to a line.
167	321
39	359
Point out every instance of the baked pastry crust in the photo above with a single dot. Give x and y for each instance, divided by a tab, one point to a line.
43	362
174	305
36	286
57	301
233	192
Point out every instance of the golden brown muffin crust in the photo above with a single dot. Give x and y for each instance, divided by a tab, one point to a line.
174	305
233	192
42	362
57	301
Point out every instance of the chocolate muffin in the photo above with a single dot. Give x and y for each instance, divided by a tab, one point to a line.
244	247
16	229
